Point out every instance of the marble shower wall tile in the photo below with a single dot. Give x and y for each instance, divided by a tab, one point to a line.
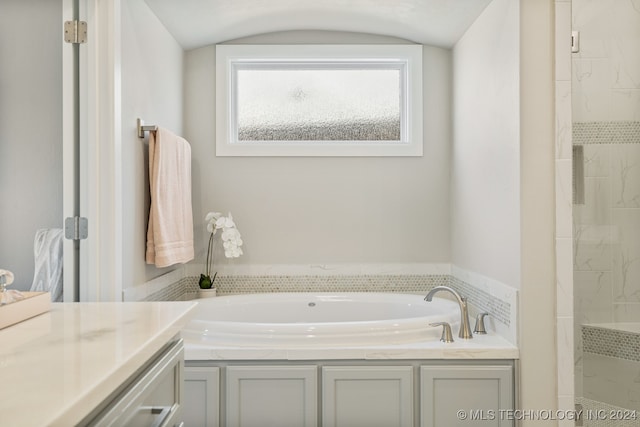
626	257
626	312
625	173
612	380
597	160
592	18
624	44
593	296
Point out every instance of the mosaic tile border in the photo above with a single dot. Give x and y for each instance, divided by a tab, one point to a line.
595	414
230	285
623	132
500	310
174	292
611	342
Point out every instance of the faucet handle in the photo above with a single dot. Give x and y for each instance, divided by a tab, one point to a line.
447	336
479	328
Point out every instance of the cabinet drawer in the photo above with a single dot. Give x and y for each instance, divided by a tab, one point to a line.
154	399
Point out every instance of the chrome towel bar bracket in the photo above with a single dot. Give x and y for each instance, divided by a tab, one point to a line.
142	128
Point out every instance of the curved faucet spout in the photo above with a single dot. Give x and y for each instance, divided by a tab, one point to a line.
465	327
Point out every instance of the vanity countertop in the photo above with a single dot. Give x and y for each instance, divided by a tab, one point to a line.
56	367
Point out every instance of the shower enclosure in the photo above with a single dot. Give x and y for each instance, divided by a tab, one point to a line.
606	211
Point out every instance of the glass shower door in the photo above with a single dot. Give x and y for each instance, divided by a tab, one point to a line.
606	213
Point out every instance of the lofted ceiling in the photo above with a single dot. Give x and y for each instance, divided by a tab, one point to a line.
196	23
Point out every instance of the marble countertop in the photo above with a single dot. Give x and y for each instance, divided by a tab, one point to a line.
56	367
490	346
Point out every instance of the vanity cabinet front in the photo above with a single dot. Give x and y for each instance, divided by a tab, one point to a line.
398	393
463	396
283	396
202	397
373	396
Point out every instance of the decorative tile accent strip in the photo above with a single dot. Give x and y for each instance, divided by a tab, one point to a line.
599	414
611	342
230	285
500	310
174	292
606	132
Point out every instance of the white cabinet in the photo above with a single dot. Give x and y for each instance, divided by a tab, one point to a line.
466	395
375	396
283	396
201	397
398	393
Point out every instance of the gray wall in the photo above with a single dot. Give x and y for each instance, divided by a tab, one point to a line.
152	82
485	193
30	129
310	210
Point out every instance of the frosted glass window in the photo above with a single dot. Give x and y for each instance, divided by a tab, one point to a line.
319	100
324	104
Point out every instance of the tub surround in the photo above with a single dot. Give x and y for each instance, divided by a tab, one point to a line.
489	346
317	326
484	294
72	358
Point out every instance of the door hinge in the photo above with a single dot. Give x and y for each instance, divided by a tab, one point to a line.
76	228
75	32
575	41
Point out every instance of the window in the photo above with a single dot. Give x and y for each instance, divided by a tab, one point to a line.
319	100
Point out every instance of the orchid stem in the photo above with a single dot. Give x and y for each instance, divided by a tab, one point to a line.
209	255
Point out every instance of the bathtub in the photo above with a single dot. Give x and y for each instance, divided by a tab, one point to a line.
308	320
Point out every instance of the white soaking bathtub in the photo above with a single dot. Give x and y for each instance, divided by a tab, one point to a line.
312	320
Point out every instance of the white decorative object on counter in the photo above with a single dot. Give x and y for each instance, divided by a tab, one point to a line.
32	304
207	293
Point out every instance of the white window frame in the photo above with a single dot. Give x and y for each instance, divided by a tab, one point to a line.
405	57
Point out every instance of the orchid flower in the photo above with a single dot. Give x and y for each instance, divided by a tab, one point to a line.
231	242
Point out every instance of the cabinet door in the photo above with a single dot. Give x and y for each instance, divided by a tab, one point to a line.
283	396
201	406
355	396
466	396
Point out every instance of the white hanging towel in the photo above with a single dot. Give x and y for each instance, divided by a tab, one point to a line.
170	231
47	253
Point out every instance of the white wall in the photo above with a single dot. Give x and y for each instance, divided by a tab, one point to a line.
30	129
310	210
485	176
537	309
152	82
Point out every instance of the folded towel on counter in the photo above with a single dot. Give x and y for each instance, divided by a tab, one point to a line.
170	230
47	253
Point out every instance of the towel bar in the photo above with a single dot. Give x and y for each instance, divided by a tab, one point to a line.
142	128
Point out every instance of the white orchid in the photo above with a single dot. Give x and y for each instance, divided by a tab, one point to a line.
231	241
211	219
6	277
